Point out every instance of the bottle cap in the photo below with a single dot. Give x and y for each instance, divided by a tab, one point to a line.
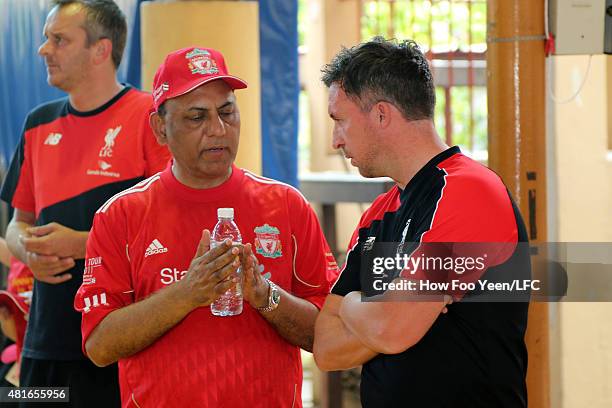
225	212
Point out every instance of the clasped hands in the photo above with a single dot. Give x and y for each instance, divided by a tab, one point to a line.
214	270
51	249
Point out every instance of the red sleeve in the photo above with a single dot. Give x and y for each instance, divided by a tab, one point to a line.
107	282
156	156
475	221
314	266
473	210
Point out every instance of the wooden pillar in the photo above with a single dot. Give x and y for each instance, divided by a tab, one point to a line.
231	27
517	148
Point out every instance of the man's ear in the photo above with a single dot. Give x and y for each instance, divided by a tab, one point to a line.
103	50
158	125
383	113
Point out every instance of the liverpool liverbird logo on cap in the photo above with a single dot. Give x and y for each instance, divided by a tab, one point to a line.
200	62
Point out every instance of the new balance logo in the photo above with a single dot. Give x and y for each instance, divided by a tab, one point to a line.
155	247
53	139
94	301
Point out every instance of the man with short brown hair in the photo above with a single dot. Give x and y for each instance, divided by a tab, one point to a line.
74	154
381	100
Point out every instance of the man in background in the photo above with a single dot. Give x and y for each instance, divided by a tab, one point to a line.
74	154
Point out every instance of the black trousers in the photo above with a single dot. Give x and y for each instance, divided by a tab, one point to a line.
90	386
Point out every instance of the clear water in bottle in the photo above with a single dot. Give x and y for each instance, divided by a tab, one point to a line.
230	303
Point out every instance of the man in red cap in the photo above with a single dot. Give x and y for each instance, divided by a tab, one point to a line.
149	309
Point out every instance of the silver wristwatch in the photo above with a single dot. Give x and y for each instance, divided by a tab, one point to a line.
273	298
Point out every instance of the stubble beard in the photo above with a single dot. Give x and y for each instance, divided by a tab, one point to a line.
72	80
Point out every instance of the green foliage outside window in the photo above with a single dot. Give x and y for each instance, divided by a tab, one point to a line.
439	26
449	22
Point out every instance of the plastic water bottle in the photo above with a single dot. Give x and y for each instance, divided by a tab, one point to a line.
230	303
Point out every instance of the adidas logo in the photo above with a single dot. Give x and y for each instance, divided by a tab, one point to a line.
155	247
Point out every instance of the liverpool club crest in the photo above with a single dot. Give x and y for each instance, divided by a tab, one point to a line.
200	62
267	241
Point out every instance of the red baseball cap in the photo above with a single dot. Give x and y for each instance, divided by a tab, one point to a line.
17	299
18	294
188	68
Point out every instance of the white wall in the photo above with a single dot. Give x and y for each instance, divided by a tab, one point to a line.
581	333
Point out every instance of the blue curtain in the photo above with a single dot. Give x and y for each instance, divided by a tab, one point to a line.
22	71
280	88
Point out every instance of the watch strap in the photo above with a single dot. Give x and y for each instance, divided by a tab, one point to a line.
271	304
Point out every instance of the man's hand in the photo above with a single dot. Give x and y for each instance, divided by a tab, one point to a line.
49	268
51	249
212	271
55	240
255	289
